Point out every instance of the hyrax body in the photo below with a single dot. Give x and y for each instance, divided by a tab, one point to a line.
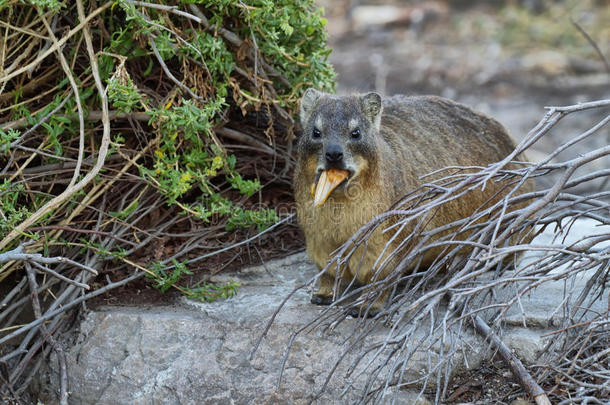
385	145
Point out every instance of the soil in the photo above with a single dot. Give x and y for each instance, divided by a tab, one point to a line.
490	383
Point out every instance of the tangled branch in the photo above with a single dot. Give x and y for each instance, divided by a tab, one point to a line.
140	140
479	259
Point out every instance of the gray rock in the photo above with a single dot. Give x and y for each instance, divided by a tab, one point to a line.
199	353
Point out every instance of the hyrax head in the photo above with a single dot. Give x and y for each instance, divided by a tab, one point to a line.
339	138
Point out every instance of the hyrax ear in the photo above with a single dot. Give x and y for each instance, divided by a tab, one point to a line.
308	102
371	107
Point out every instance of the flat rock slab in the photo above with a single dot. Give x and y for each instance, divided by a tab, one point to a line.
199	353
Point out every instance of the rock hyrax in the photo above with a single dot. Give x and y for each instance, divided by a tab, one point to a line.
359	154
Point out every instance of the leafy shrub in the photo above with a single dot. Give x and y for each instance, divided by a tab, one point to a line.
175	75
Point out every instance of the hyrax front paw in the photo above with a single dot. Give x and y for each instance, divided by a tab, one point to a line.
321	299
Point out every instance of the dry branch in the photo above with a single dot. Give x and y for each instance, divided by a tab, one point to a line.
592	43
9	75
105	142
53	313
478	261
63	395
516	367
19	254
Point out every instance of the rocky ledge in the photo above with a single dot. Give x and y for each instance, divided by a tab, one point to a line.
199	353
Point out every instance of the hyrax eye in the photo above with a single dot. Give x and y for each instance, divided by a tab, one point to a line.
315	133
355	133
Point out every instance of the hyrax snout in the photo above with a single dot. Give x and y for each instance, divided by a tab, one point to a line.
359	154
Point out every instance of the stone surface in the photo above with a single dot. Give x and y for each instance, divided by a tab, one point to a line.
199	353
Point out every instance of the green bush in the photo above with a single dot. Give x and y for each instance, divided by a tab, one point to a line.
182	71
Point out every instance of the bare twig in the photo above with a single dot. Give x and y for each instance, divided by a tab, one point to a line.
169	74
525	379
52	314
244	138
59	276
39	123
476	260
19	254
592	43
92	116
81	119
49	206
58	44
63	395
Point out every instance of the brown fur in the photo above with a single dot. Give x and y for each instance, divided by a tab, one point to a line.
402	138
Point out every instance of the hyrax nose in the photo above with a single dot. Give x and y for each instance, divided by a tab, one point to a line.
334	154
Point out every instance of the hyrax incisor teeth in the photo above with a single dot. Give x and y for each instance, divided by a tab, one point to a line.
329	180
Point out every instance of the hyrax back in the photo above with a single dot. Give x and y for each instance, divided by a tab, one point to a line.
383	146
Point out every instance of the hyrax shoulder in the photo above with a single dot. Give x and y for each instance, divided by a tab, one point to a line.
375	150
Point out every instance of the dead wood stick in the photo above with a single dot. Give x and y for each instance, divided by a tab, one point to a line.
83	23
12	294
70	305
516	367
20	254
56	168
79	106
30	87
244	138
104	145
46	334
169	74
32	371
592	43
24	121
20	303
92	116
55	274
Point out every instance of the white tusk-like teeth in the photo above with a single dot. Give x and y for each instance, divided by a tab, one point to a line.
328	181
322	190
